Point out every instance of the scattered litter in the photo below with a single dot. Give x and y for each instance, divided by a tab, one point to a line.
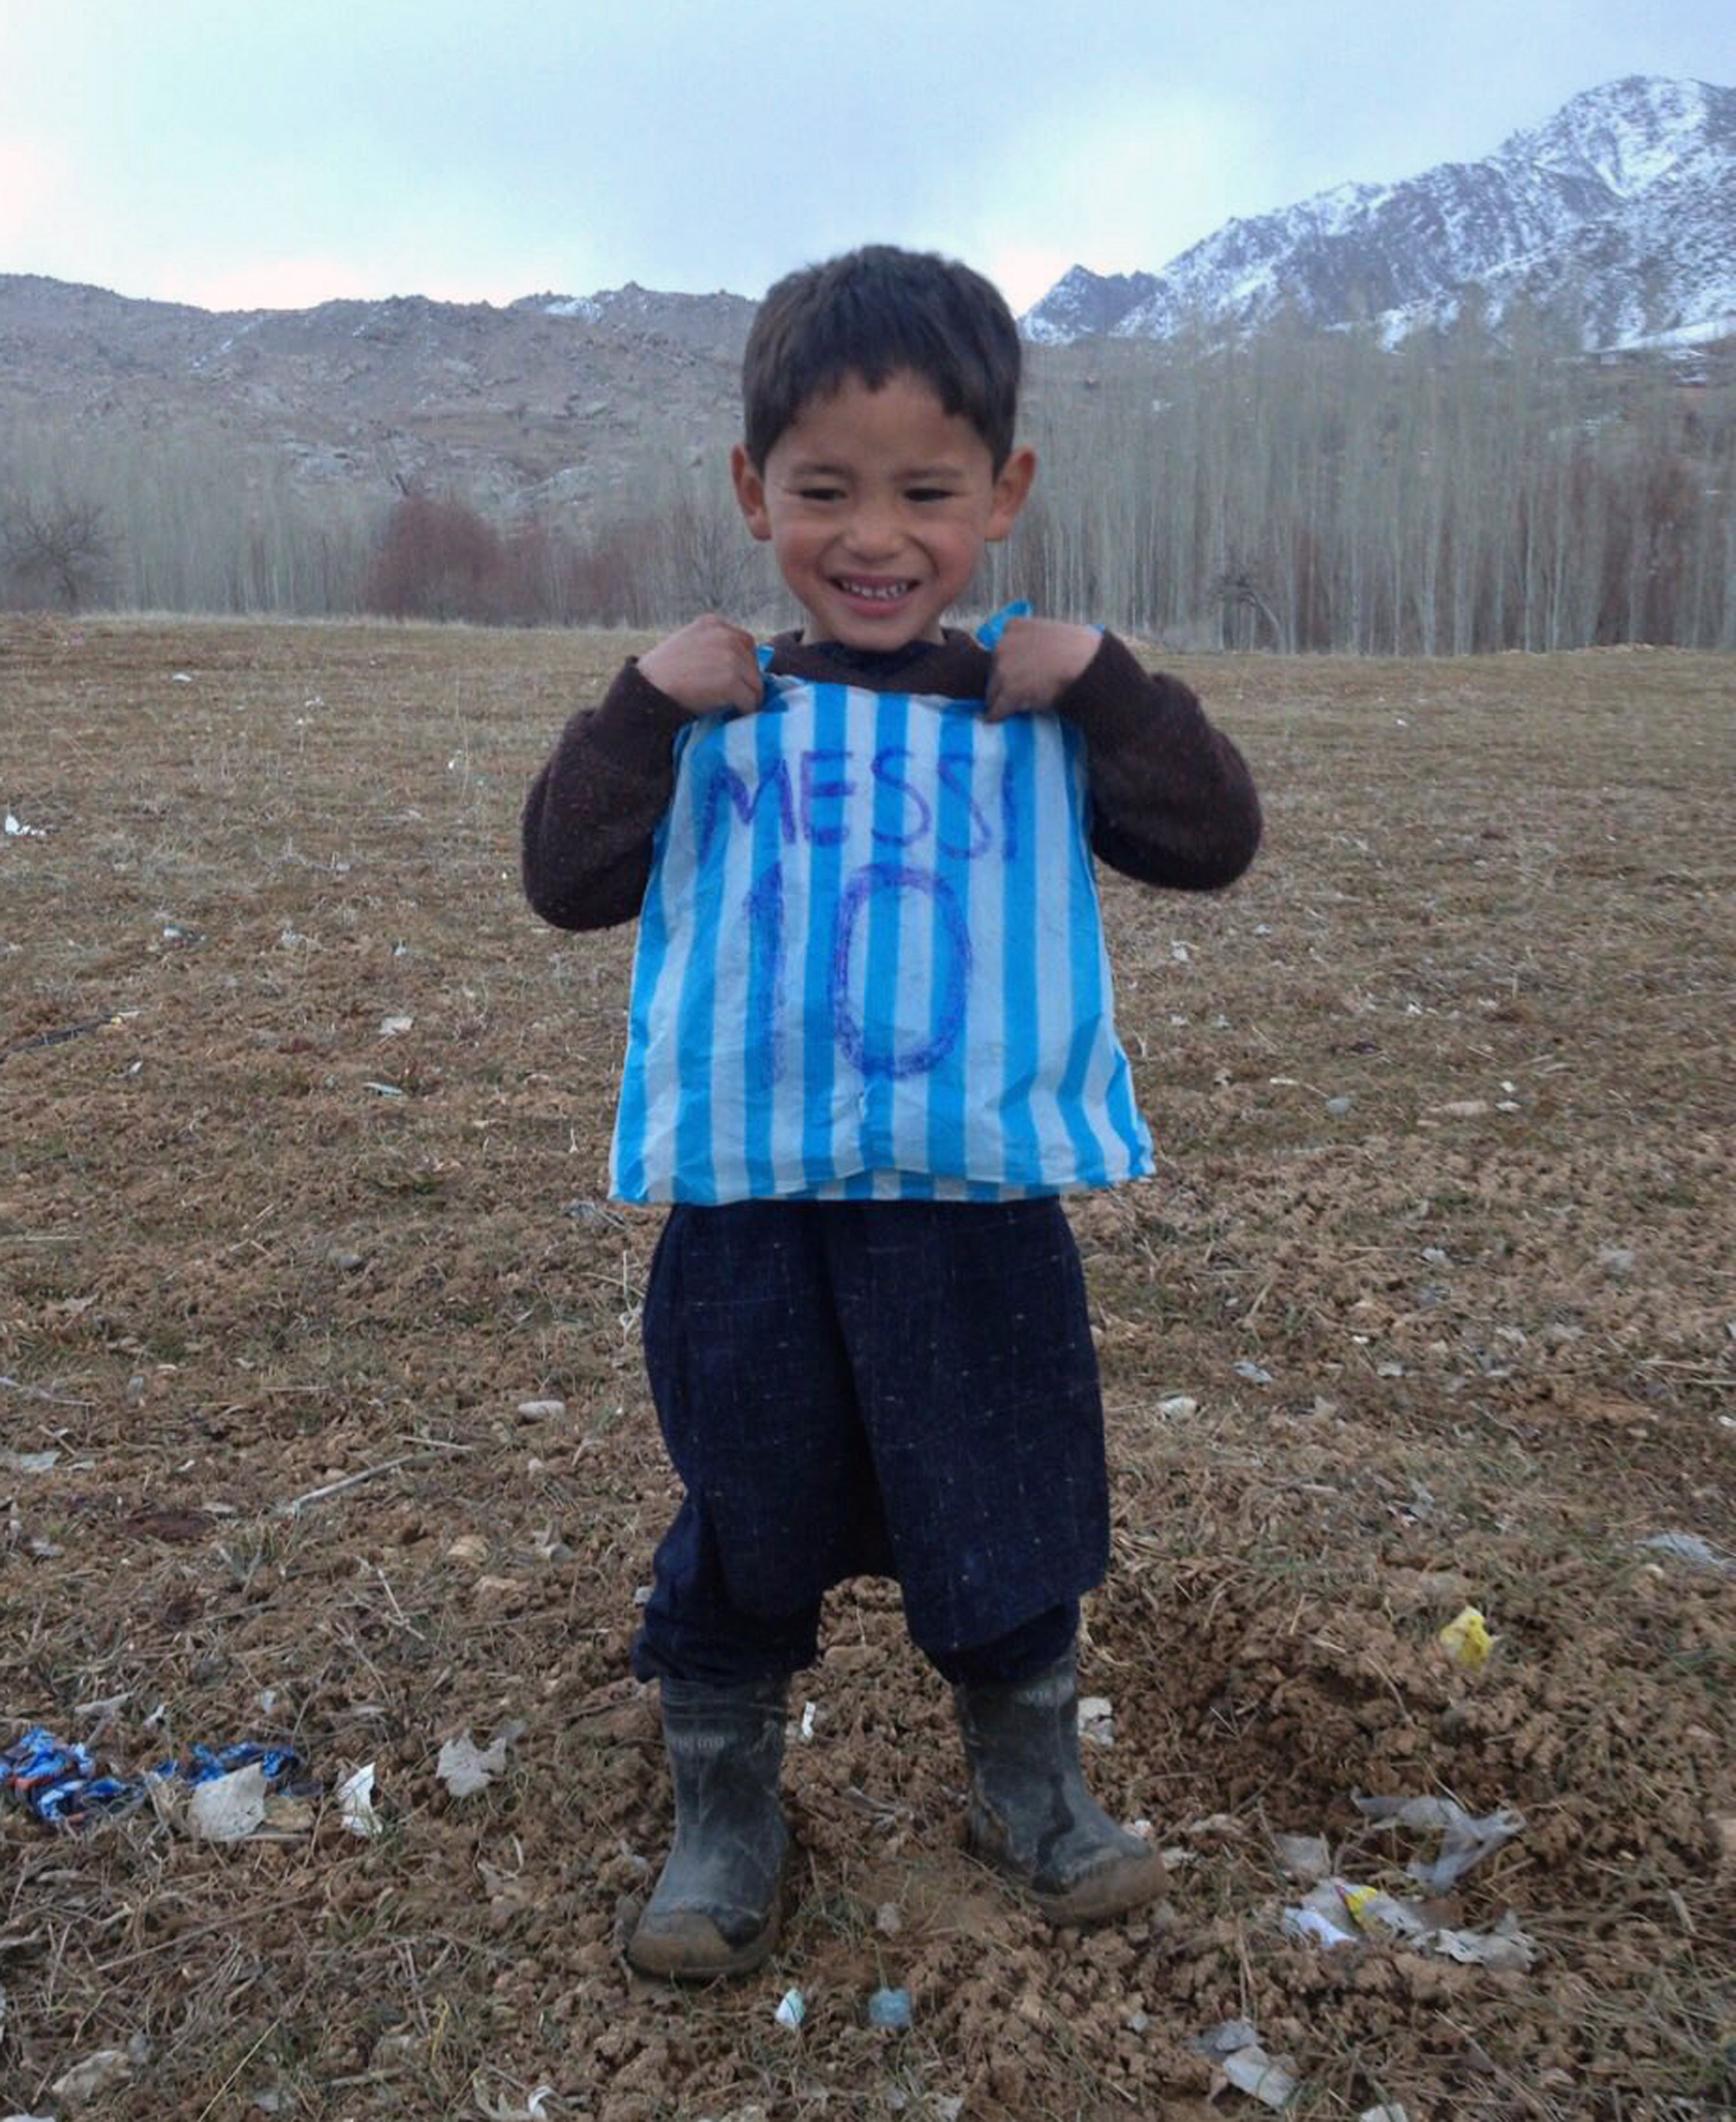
590	1212
1180	953
1255	1373
1097	1719
228	1808
1505	1947
103	2072
1466	1640
1690	1547
1462	1109
889	1921
1179	1407
1467	1840
805	1730
890	2010
541	1410
1339	1107
27	1462
181	678
465	1769
1375	1912
534	2109
1723	1833
1387	2111
1616	1262
355	1796
18	830
385	1090
1222	2041
1309	1925
395	1027
792	2009
1252	2070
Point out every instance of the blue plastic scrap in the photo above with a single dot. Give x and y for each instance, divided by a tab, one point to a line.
59	1784
889	2008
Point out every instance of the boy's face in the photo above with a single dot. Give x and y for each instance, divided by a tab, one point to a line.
878	504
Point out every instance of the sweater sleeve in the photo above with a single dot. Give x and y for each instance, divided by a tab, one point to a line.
591	812
1172	800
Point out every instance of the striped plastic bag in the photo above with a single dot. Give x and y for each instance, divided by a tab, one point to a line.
871	963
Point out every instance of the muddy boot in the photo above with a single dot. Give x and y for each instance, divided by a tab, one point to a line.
715	1909
1031	1816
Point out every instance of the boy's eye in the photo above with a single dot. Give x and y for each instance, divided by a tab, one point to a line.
930	493
820	493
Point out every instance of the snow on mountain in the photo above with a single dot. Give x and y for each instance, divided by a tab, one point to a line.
1617	216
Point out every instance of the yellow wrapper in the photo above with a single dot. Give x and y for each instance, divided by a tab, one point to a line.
1466	1640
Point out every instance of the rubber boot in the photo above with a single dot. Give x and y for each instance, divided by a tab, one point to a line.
715	1908
1031	1816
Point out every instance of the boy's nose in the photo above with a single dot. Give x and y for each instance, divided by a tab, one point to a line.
874	530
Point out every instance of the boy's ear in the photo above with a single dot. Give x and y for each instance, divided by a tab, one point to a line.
1012	489
750	493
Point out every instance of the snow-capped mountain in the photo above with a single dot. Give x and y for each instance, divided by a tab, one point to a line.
1617	216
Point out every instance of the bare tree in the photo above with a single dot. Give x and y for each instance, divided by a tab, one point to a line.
59	540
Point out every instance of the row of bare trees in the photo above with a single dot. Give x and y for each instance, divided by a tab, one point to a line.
1301	492
1306	491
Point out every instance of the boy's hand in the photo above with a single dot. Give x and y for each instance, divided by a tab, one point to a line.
1035	663
709	664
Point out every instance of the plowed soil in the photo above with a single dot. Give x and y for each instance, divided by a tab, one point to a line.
303	1120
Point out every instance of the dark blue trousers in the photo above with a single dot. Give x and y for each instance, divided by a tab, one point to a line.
886	1388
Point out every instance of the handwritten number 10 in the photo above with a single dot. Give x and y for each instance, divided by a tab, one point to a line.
870	1047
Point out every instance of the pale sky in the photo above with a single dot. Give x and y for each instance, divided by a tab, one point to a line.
276	155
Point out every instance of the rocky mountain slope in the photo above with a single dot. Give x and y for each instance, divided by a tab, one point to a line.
1617	216
549	399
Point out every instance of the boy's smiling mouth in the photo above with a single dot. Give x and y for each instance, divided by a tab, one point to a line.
880	593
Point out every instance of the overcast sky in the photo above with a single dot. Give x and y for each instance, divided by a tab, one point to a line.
238	155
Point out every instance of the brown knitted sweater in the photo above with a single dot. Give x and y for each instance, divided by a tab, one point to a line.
1172	801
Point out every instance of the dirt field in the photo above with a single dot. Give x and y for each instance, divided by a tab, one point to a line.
1430	1307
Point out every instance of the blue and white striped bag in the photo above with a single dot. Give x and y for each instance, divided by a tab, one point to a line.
871	963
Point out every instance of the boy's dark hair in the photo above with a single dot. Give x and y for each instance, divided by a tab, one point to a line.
874	313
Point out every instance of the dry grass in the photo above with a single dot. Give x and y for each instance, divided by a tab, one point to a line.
1491	1294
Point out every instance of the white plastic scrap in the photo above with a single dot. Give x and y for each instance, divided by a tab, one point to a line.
1305	1857
1311	1926
17	830
228	1808
1690	1547
356	1803
792	2009
1505	1947
1389	2110
1467	1840
536	2108
101	2071
1223	2040
1097	1719
1252	2070
465	1768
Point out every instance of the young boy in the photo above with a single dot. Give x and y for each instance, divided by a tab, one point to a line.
852	1058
